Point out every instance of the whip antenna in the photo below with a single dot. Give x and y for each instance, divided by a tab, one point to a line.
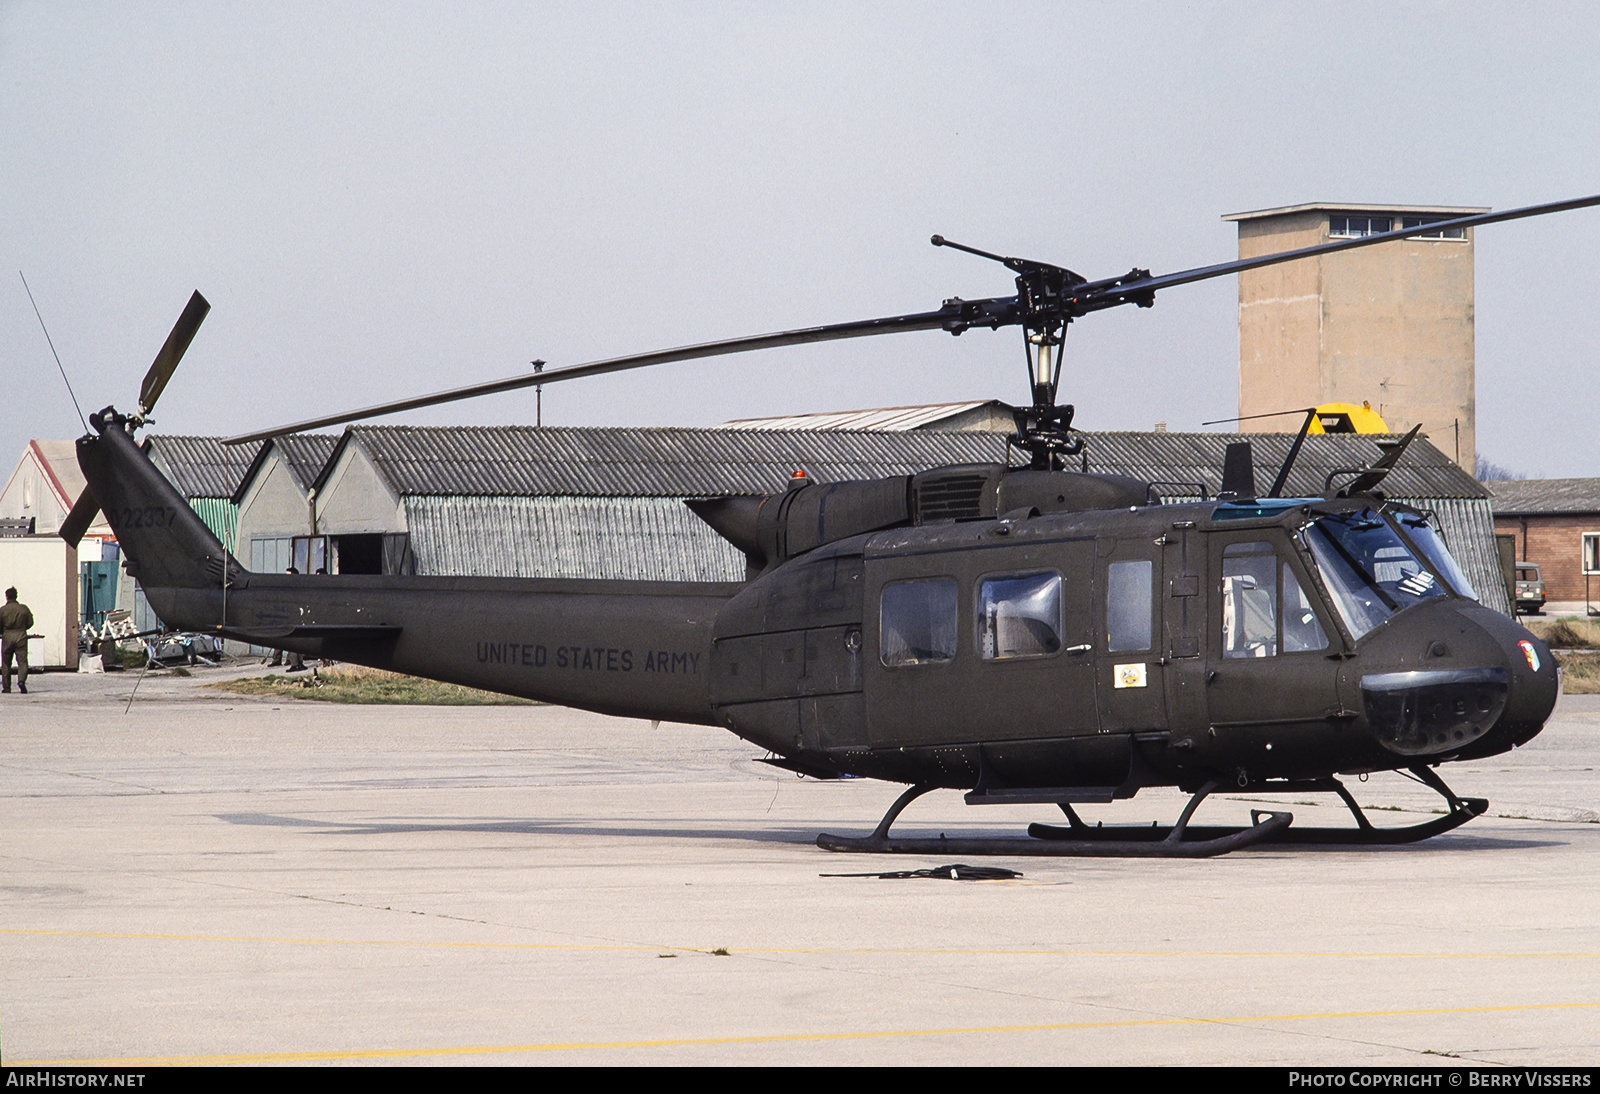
54	354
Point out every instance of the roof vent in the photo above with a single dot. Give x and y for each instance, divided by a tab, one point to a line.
955	493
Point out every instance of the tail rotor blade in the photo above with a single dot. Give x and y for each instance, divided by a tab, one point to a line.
155	381
84	510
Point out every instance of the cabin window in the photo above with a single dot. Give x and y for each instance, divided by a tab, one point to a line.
1019	616
917	623
1128	605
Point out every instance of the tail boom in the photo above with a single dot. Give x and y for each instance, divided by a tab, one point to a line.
636	649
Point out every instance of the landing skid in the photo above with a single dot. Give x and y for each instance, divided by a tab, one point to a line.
1103	842
1181	840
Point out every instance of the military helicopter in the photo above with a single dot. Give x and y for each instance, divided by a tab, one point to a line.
1025	632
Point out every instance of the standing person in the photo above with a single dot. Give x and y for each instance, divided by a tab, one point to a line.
15	619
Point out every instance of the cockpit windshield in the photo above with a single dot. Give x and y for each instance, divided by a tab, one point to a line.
1368	568
1422	533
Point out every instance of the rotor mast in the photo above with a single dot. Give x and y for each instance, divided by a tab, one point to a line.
1047	302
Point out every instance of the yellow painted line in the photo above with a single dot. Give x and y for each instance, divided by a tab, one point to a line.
862	951
689	1042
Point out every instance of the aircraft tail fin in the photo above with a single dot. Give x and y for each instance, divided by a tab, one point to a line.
166	545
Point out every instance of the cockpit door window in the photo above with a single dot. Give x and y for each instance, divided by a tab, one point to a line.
1302	631
1265	610
1431	544
1249	600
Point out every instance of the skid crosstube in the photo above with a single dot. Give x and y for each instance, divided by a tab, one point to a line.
1178	841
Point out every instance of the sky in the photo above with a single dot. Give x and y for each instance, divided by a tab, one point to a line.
382	200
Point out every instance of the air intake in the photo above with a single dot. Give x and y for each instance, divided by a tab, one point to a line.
955	493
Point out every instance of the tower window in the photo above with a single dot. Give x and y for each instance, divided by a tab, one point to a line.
1359	226
1442	233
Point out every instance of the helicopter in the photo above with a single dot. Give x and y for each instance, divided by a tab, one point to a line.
1026	631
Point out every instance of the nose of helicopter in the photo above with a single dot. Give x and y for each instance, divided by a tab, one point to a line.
1456	679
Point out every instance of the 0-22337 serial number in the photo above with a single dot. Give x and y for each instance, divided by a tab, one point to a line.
151	516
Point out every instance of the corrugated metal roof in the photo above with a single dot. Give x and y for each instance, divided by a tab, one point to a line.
639	539
1528	497
1423	471
304	454
891	419
572	461
201	467
529	461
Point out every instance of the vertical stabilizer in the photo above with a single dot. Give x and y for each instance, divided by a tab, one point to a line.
167	546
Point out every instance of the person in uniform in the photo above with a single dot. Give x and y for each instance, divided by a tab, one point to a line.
15	619
296	662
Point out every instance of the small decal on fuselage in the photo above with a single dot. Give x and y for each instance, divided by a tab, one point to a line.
585	658
1127	676
1531	654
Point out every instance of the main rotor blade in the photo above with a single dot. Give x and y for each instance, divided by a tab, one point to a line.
155	381
956	316
84	510
1108	294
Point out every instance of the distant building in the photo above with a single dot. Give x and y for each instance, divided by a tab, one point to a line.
1556	523
1391	324
206	472
36	499
44	486
276	500
522	501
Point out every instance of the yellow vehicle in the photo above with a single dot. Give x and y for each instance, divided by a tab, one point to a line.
1347	418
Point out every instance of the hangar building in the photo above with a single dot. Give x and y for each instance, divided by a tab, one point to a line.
524	501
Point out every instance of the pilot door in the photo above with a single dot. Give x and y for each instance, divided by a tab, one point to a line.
988	644
1271	664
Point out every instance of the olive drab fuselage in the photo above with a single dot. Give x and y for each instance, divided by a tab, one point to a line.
1137	688
947	629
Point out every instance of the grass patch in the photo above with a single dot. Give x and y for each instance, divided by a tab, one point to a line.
1576	646
357	684
1580	671
1580	634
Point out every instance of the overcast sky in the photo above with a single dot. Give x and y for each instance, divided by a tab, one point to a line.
388	199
